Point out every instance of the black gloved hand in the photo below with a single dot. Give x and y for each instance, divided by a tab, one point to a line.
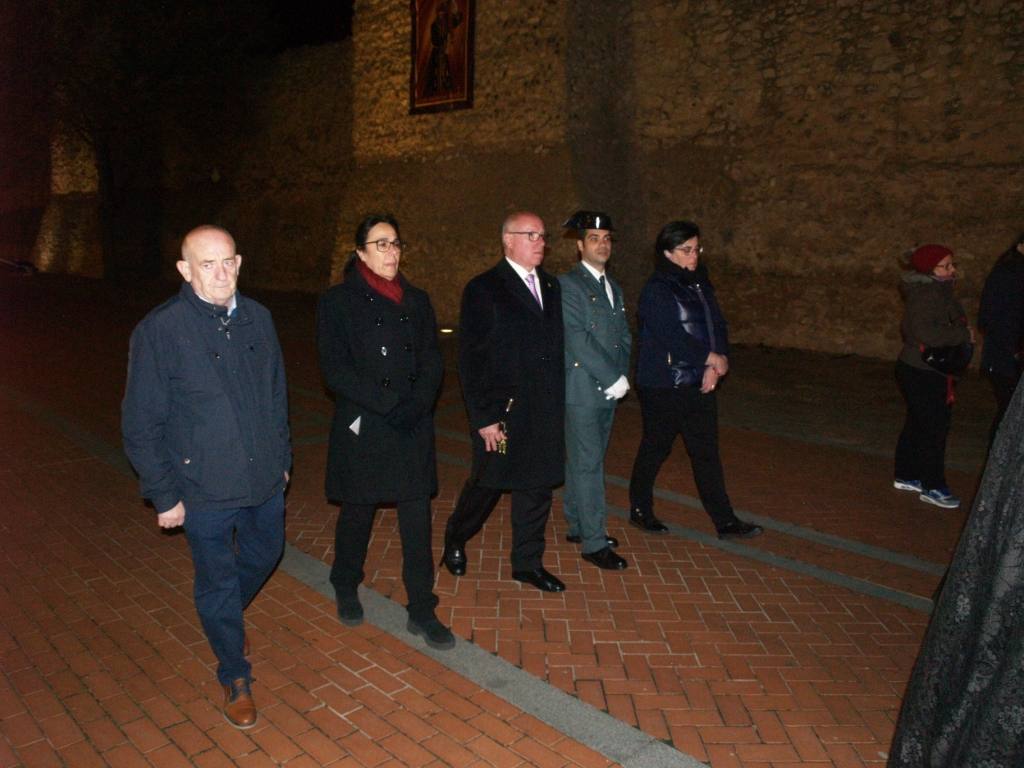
405	415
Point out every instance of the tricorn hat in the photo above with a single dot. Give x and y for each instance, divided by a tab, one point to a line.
589	220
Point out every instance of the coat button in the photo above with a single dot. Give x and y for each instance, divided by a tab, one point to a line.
412	378
576	364
369	297
251	459
403	319
216	355
408	346
380	321
385	382
384	351
186	460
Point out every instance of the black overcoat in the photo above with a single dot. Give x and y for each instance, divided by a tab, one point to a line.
509	347
374	354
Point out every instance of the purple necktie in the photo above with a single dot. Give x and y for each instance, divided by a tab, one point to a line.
532	280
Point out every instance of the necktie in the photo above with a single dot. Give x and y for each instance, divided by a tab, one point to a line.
607	293
531	280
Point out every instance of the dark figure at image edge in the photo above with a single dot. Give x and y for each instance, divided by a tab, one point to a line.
1001	320
683	354
379	356
964	703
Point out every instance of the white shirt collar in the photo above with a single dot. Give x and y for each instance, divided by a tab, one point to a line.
520	269
597	275
607	283
524	273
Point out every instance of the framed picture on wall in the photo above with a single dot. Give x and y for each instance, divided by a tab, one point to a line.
442	55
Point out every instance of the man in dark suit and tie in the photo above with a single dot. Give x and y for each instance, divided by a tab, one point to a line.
597	344
513	381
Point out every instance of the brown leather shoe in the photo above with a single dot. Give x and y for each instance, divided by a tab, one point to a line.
239	708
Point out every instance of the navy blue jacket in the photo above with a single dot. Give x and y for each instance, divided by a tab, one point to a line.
205	411
1001	317
680	322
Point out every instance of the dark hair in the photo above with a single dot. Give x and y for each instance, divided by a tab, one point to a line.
672	234
370	221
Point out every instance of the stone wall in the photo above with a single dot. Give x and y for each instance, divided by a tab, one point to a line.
451	177
818	142
272	166
815	143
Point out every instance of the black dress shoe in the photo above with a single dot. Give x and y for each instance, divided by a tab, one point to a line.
606	558
541	579
738	529
454	558
647	522
611	541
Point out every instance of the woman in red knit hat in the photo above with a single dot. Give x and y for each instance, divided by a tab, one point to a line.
932	318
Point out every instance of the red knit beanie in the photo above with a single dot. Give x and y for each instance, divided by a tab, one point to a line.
927	256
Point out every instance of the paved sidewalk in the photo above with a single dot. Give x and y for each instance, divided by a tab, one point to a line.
792	649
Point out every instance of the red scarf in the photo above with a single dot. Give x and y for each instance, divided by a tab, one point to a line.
389	289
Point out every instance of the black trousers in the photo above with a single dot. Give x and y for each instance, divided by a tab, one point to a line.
1003	388
530	510
352	537
921	448
665	414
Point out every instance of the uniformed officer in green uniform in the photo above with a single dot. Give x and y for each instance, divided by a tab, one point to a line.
597	344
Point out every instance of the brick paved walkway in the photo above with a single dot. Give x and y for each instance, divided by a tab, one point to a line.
731	659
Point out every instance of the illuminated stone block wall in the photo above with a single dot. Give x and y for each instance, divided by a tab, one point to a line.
816	143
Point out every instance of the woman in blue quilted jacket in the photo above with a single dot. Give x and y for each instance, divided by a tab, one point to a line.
682	355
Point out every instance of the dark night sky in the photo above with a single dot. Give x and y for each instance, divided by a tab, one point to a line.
311	22
195	30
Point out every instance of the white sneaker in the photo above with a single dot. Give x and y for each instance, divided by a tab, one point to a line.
940	497
908	485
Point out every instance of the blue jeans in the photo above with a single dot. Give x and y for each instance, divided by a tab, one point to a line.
234	551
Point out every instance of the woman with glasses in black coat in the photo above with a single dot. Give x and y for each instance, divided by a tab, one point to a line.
377	337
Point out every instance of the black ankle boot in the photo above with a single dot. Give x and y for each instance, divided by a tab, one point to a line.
646	521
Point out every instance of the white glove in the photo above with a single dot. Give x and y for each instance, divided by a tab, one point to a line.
618	390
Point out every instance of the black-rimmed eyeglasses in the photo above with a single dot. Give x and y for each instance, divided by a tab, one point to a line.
689	250
384	244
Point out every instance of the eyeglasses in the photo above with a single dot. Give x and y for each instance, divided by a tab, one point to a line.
384	244
533	237
689	250
947	267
